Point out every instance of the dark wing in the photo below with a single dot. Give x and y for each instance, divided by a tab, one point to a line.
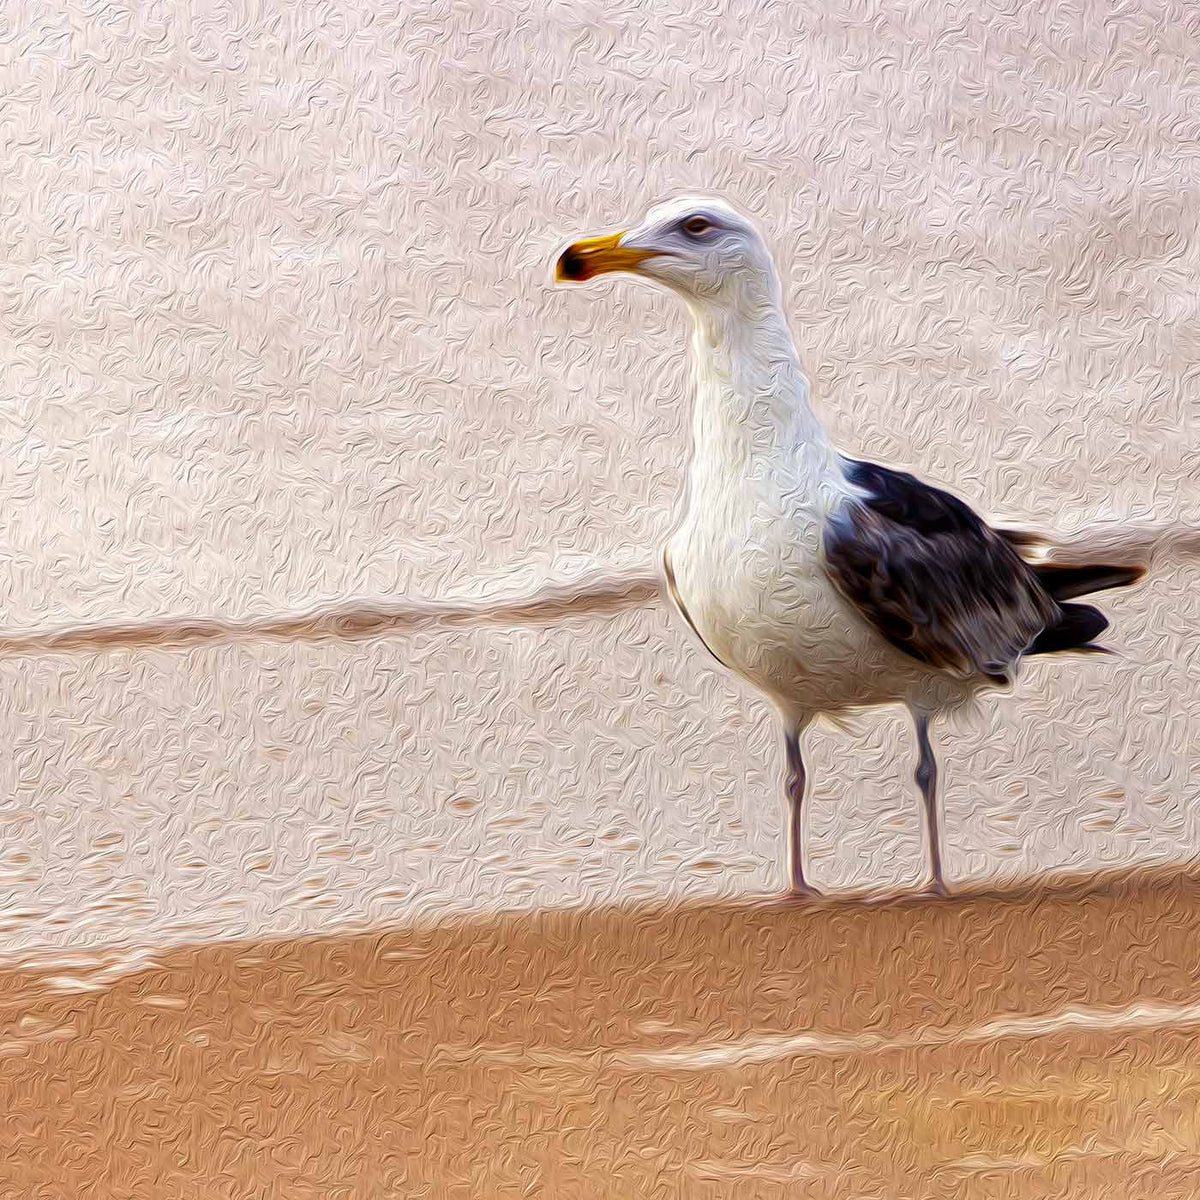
931	577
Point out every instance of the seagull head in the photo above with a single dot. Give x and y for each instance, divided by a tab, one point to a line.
702	249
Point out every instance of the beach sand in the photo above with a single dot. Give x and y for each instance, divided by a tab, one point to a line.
281	362
991	1046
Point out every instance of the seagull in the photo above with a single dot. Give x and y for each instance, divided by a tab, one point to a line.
829	583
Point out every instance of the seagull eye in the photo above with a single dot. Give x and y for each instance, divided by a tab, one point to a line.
696	226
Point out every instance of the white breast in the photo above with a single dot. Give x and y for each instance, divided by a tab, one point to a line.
749	575
747	558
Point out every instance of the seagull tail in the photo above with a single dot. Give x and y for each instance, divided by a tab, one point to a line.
1075	630
1066	582
1079	624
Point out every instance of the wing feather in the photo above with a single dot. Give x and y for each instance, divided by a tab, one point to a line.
932	578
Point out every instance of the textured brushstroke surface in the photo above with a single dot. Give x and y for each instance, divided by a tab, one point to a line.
283	382
992	1049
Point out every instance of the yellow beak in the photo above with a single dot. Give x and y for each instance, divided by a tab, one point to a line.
595	256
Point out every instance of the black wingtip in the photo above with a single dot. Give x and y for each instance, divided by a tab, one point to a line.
1077	629
1023	539
1066	582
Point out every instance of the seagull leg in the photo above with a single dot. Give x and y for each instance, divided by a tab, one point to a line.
927	774
796	783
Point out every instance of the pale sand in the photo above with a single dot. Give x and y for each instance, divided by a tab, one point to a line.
277	341
279	360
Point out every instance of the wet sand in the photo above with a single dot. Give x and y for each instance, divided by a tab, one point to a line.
998	1045
293	427
293	424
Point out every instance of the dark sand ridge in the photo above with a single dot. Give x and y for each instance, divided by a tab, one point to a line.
998	1045
592	593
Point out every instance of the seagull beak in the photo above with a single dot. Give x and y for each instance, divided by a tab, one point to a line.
596	256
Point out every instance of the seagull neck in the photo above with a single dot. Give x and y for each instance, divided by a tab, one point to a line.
751	394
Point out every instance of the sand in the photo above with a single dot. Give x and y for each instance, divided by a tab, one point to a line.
996	1046
282	372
